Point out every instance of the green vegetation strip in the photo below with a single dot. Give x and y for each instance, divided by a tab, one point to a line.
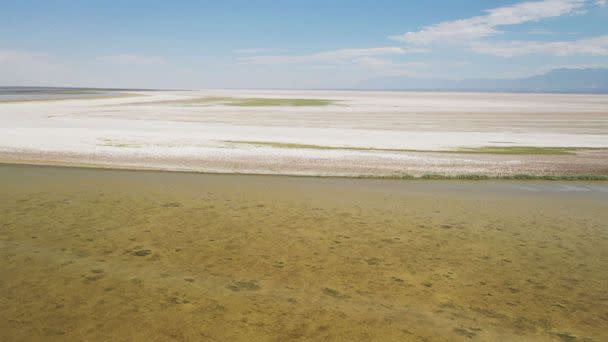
576	177
427	176
519	150
480	150
289	145
254	102
246	102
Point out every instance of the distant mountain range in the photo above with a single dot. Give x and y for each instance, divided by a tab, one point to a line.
558	80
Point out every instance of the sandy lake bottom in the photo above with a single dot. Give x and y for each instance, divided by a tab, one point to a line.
149	256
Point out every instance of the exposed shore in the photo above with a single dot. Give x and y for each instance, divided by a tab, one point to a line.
316	133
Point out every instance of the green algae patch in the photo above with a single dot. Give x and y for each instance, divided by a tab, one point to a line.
275	144
473	176
245	102
519	150
266	102
283	145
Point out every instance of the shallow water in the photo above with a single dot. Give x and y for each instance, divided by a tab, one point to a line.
124	256
10	94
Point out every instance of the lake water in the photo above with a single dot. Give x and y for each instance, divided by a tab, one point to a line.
10	94
130	256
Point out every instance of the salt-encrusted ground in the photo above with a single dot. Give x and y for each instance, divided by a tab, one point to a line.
165	130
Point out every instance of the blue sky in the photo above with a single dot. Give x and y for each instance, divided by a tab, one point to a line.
292	43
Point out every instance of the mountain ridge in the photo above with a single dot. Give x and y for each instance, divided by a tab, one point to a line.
562	80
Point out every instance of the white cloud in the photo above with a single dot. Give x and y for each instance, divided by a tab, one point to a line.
372	62
33	68
16	56
382	63
253	51
538	31
601	3
131	59
28	68
596	46
333	56
486	25
380	67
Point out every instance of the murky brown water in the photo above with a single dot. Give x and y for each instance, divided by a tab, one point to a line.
145	256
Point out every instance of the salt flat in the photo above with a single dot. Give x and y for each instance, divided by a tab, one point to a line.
358	133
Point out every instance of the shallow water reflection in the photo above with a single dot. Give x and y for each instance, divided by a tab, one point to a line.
121	255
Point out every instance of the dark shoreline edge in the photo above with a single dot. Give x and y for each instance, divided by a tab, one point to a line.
423	177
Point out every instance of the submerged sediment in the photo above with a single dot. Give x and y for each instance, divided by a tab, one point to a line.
161	255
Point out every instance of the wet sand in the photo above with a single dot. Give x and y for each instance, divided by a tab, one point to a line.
140	256
183	130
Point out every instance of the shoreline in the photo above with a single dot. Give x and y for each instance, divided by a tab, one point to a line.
404	177
116	95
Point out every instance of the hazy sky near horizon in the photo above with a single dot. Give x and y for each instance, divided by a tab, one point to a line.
292	44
